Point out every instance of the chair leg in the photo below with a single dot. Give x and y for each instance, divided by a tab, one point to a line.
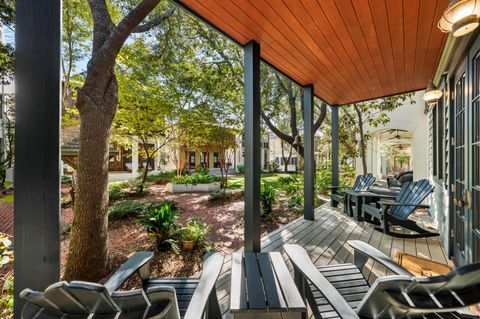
213	308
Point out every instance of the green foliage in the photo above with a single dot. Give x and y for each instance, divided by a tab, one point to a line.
7	198
160	222
5	249
196	230
273	167
161	177
295	203
125	209
137	186
268	197
195	179
202	171
291	184
241	168
323	179
115	192
66	179
223	195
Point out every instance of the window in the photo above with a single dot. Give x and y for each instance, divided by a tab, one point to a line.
204	159
191	159
216	160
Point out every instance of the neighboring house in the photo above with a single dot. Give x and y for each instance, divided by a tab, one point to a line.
280	153
264	152
401	144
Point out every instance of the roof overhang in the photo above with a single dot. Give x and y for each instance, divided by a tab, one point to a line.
350	50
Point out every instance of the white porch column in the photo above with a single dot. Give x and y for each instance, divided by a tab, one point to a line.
134	155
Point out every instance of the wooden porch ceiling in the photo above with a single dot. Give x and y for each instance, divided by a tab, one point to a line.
350	50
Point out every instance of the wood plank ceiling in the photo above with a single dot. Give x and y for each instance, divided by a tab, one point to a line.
350	50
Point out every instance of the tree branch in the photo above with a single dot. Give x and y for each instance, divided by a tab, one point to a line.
321	117
147	26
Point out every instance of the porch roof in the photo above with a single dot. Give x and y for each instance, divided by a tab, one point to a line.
349	50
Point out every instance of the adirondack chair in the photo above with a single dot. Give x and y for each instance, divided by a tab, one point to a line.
341	291
362	183
396	212
173	298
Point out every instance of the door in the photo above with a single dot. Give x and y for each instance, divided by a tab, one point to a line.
459	184
473	188
466	146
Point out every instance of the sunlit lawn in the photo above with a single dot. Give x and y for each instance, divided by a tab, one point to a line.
237	181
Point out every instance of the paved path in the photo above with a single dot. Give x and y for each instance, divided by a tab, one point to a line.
6	217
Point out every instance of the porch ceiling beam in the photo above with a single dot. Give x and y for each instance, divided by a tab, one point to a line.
37	146
309	160
252	146
335	151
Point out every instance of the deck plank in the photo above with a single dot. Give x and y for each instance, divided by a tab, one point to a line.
325	239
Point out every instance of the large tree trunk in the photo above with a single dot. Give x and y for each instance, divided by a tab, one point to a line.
362	146
88	254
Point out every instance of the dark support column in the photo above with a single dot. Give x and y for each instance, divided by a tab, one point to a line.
335	162
37	140
252	146
309	158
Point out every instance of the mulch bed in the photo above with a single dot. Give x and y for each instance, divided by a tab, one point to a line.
126	236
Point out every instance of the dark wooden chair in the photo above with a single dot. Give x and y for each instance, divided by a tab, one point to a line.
362	183
341	291
395	211
160	298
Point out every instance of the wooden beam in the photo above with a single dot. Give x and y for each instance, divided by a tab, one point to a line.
308	158
252	146
335	151
37	150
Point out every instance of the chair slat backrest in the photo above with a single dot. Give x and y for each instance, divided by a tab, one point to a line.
80	299
357	183
404	296
411	193
367	182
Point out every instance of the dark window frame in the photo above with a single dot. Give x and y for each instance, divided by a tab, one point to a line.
438	137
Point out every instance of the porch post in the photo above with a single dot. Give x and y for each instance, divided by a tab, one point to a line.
308	158
335	163
252	146
37	146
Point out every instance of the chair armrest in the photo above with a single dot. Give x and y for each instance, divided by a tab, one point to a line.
339	187
390	203
211	270
304	265
138	262
363	251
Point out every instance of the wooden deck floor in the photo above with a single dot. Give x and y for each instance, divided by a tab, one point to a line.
325	241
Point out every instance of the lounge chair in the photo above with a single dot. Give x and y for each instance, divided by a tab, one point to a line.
339	195
341	291
161	298
396	212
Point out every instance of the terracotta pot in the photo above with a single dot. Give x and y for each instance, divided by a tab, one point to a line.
188	244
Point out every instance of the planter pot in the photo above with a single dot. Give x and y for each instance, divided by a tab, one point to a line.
188	244
191	188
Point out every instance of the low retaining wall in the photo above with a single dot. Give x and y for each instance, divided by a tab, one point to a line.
191	188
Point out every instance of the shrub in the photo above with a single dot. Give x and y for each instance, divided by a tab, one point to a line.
268	197
124	209
223	195
273	167
115	192
241	168
202	171
295	203
161	223
136	186
66	179
196	230
161	178
195	179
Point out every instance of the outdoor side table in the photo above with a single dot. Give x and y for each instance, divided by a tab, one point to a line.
262	287
364	197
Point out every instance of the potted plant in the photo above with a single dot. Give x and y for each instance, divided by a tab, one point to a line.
194	233
160	224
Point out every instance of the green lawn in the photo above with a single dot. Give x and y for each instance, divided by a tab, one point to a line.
237	181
